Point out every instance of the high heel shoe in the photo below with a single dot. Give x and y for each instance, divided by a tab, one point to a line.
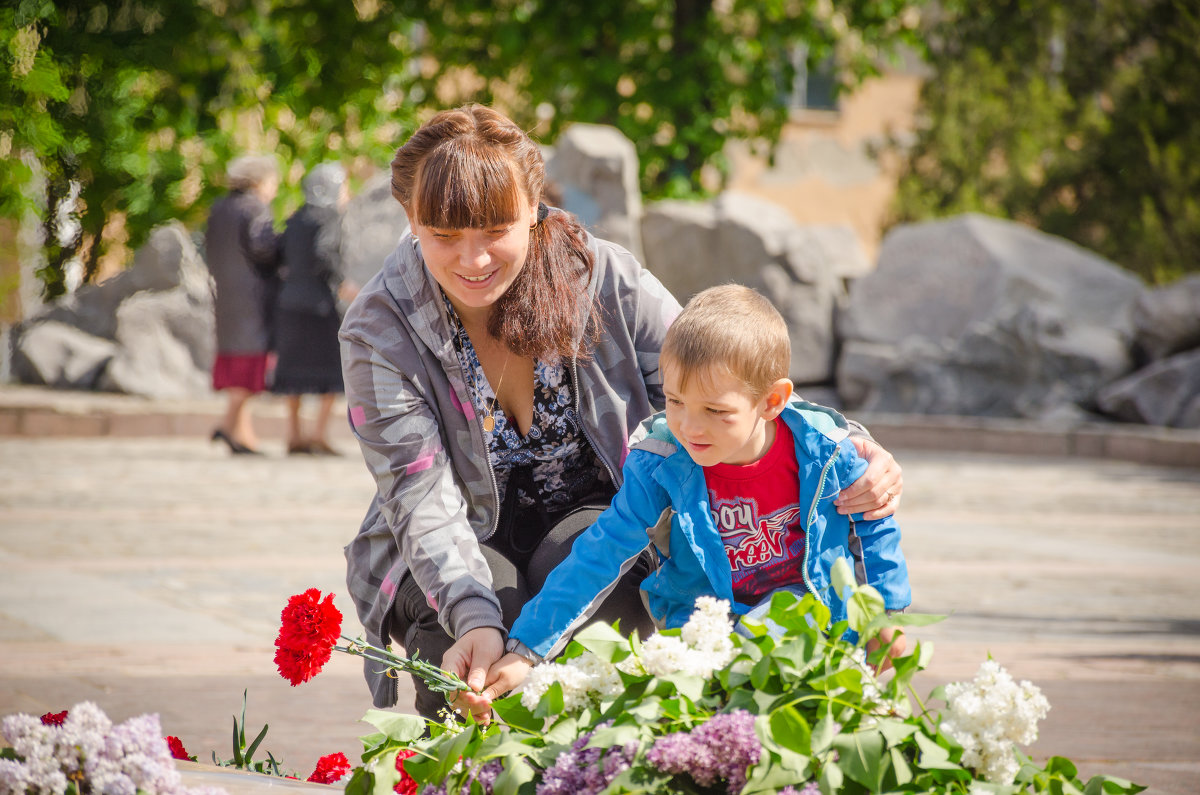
235	447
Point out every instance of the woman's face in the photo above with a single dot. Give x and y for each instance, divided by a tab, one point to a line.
476	266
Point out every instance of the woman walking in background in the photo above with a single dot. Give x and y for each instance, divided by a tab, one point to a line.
306	311
241	251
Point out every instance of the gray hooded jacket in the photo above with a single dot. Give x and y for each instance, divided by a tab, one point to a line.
411	412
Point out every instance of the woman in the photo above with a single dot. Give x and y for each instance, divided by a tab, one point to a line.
493	370
306	311
240	249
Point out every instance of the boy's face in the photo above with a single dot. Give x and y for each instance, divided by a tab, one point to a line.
716	420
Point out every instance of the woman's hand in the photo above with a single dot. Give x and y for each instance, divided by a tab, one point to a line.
471	657
890	638
877	493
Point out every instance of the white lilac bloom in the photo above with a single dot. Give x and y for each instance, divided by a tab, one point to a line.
580	677
990	714
702	646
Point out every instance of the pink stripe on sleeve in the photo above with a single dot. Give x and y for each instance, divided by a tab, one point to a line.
357	416
421	464
466	408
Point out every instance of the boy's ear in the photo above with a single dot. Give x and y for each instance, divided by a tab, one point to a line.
776	398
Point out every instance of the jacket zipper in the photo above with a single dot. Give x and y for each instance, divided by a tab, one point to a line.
812	513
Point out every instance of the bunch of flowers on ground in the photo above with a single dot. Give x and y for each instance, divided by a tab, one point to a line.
80	751
788	707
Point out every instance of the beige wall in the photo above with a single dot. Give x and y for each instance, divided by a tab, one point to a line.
824	172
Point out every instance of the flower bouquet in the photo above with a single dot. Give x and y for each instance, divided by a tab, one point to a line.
780	706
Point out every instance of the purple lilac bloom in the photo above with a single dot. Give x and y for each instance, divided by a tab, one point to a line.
429	789
721	748
811	788
585	771
485	775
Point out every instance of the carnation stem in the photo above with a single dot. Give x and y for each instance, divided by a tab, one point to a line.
435	678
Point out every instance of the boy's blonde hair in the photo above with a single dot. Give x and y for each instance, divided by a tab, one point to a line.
733	327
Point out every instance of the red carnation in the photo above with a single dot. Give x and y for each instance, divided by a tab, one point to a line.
310	627
54	718
330	769
177	749
407	785
300	665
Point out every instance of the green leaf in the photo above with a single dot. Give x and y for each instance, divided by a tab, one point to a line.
516	772
841	575
900	767
790	730
823	734
254	745
237	746
603	641
761	672
861	757
830	779
385	776
1110	785
395	725
933	756
896	731
510	710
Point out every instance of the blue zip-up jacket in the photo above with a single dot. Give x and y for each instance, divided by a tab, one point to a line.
664	501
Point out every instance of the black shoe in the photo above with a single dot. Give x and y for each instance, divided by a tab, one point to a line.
235	447
299	448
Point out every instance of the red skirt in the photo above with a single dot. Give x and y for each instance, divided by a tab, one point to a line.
241	371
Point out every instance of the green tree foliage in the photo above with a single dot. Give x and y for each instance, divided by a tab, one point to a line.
677	78
137	105
1074	116
140	103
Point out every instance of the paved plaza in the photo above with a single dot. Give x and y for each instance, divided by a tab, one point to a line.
147	572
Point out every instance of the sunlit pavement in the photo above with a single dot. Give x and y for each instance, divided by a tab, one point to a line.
143	568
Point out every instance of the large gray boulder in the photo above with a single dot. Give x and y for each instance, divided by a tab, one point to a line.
740	238
1166	392
53	353
979	316
146	331
371	226
1166	319
595	169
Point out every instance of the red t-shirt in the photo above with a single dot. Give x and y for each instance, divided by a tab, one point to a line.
756	508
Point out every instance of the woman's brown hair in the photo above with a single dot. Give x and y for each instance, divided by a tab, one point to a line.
473	167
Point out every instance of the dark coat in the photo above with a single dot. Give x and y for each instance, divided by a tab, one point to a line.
241	249
311	261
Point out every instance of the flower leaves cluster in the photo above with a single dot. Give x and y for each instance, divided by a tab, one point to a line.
790	706
82	751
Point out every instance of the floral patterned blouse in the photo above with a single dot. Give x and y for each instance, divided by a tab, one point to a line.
564	465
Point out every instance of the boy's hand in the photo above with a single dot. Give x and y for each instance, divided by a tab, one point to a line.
877	493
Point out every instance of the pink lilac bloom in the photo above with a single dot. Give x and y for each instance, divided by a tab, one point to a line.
124	759
720	749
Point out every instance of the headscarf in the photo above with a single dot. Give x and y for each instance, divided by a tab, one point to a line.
323	185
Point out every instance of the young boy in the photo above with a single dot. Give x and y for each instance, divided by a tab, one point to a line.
733	485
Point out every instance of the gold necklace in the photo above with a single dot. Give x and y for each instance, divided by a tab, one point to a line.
489	422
